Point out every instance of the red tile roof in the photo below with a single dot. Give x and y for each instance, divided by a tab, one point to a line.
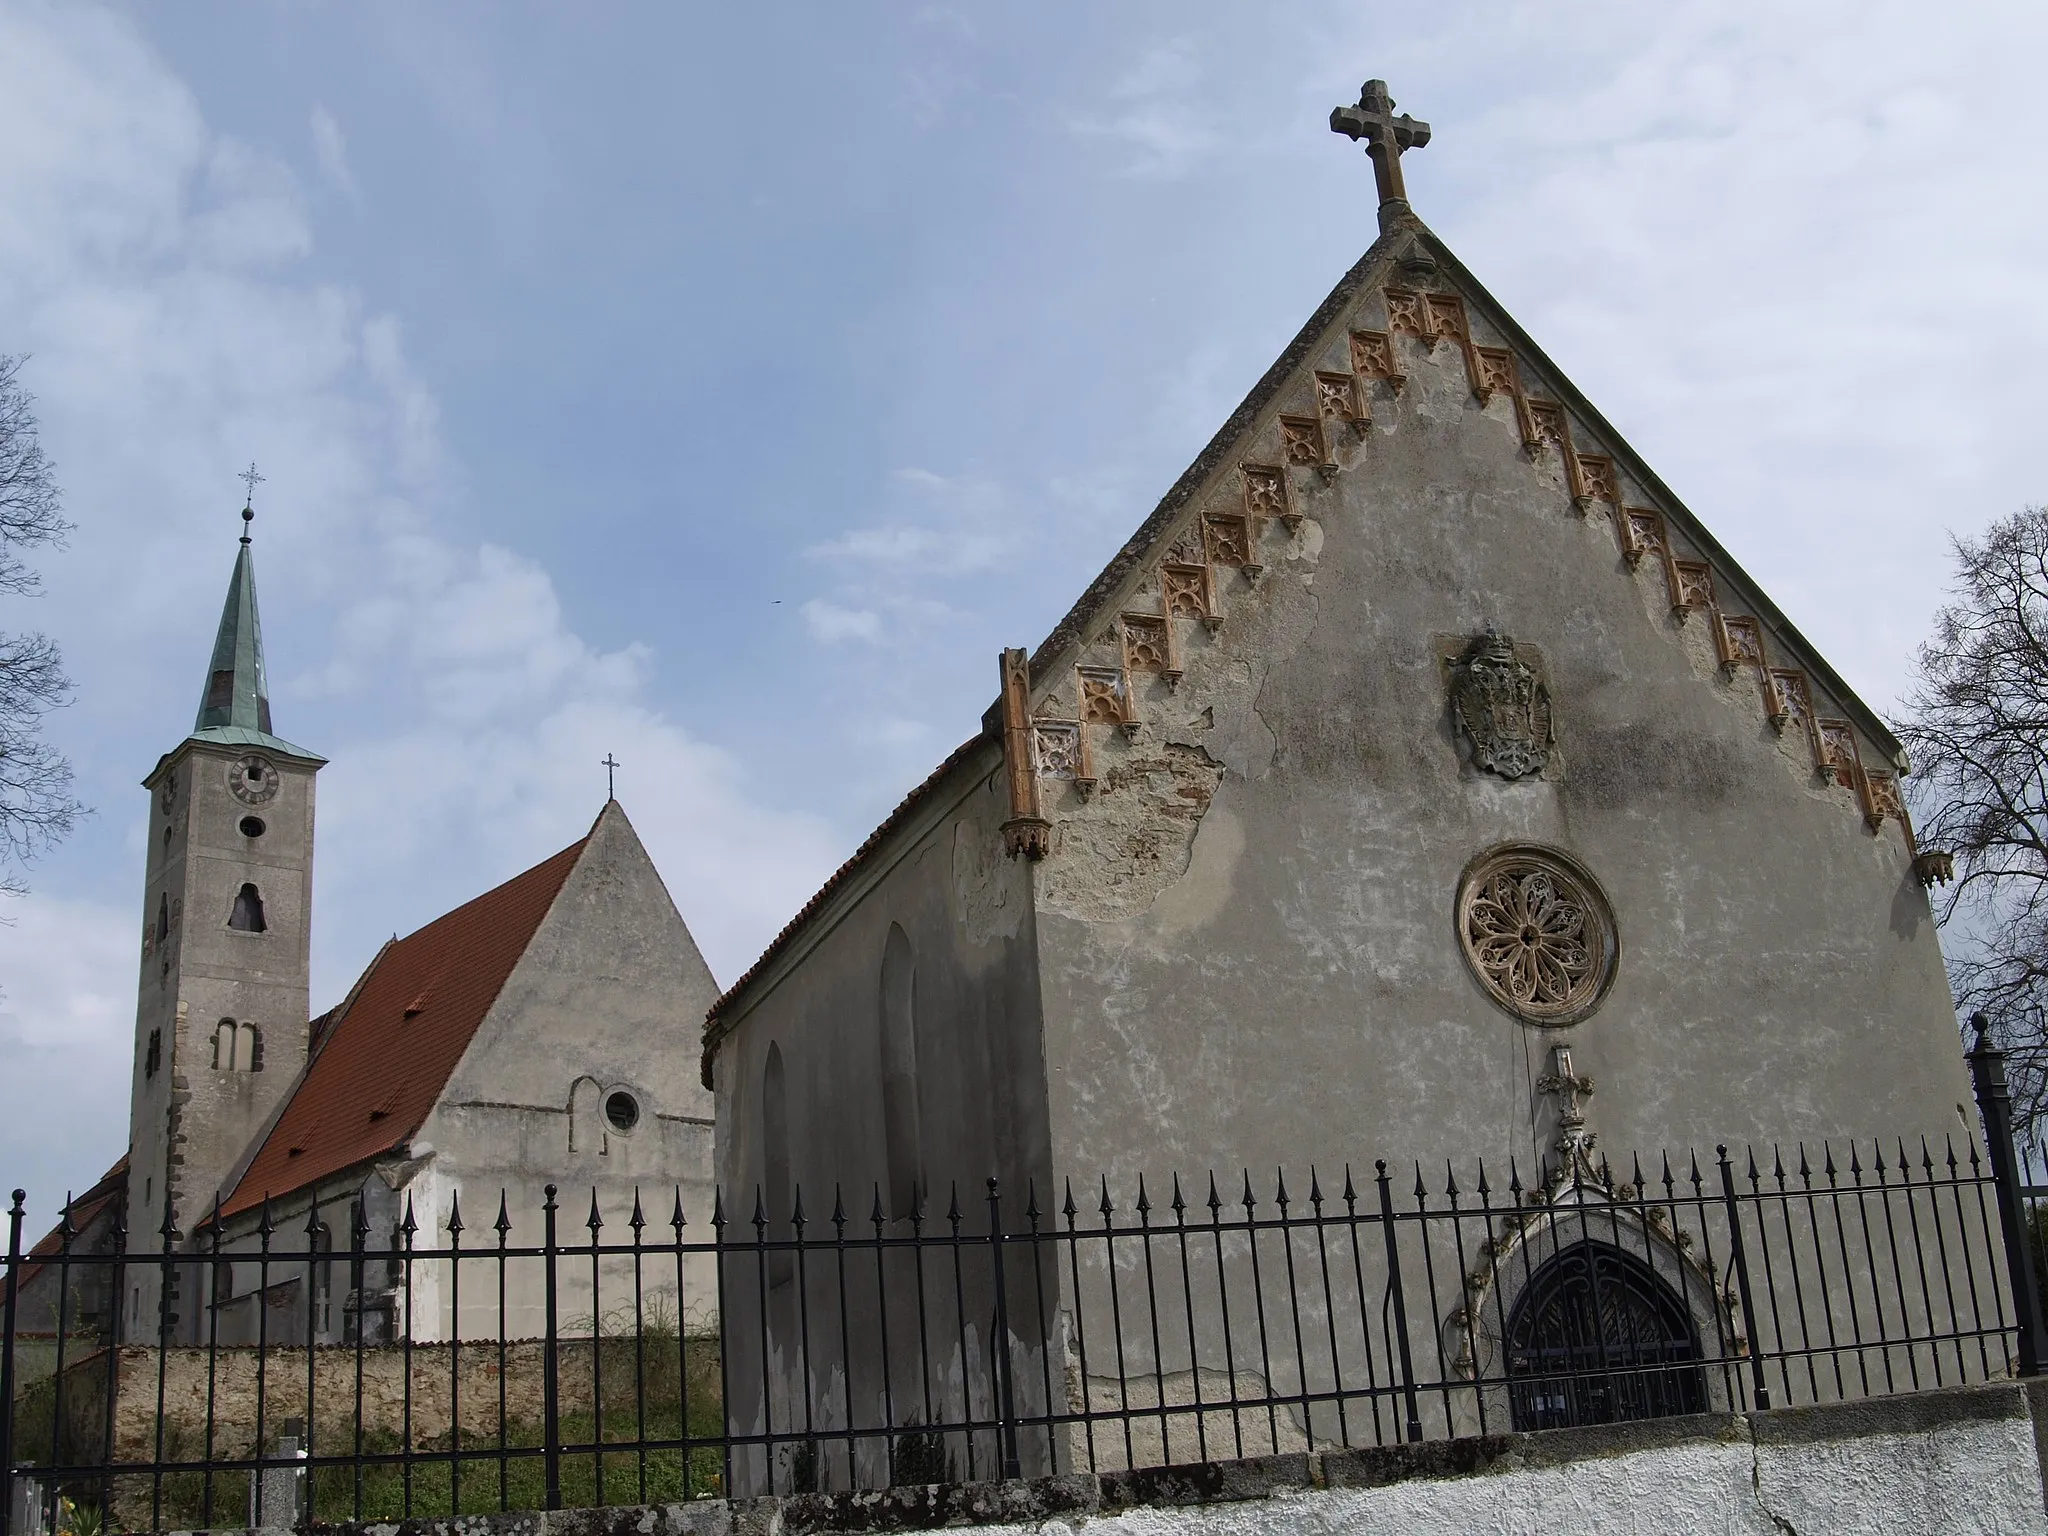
384	1062
714	1029
85	1208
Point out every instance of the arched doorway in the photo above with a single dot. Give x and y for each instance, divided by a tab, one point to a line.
1595	1338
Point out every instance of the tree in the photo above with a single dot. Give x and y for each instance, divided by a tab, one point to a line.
1976	726
36	806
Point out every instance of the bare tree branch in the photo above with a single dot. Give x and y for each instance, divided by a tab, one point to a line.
1976	724
36	804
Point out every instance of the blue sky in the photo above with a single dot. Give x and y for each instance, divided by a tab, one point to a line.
723	387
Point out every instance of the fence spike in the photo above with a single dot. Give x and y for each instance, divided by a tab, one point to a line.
1805	1168
760	1216
1215	1200
953	1206
796	1213
1421	1190
1280	1191
1105	1207
1249	1199
65	1230
636	1221
677	1219
1032	1213
1484	1190
593	1220
1753	1174
877	1215
839	1211
1315	1191
1144	1200
504	1222
1828	1162
408	1226
1926	1158
1450	1180
455	1211
1778	1164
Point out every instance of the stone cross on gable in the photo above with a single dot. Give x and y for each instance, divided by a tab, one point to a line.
1385	135
1569	1089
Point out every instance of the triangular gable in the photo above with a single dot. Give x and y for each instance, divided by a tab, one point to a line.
1359	345
1350	359
383	1064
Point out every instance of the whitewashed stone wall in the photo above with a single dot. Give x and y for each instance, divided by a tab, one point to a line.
1958	1463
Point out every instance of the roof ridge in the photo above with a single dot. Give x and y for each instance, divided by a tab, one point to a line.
379	1056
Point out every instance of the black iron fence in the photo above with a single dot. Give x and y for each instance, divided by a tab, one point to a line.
286	1374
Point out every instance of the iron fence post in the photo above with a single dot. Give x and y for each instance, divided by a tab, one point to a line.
1006	1404
7	1313
1994	1101
1758	1387
550	1405
1400	1305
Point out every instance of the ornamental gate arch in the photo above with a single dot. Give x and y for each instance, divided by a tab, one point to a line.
1597	1337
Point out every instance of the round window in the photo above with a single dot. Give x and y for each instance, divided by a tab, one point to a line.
622	1109
252	826
1537	931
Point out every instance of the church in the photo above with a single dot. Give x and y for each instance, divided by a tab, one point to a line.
539	1034
1421	781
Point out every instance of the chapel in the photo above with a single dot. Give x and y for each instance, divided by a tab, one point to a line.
538	1034
1422	781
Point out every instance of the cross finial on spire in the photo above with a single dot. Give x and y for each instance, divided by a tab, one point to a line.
251	479
1385	136
611	767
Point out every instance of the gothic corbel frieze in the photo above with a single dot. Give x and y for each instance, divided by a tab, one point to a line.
1835	756
1407	315
1789	699
1266	495
1339	400
1642	533
1692	585
1373	357
1228	540
1106	698
1739	641
1149	646
1597	480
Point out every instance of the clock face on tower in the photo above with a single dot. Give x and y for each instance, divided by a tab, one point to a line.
252	779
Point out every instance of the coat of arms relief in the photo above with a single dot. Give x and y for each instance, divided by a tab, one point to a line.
1502	707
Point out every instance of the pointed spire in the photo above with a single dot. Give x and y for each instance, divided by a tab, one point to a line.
234	707
236	693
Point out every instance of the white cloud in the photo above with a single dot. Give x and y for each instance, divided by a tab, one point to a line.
1156	108
330	153
832	623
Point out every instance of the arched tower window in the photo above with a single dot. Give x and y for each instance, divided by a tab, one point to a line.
163	918
900	1129
248	914
775	1139
1597	1338
237	1047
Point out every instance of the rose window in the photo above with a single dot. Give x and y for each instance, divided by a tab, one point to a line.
1537	932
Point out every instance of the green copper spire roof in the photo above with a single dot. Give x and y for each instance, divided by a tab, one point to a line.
235	708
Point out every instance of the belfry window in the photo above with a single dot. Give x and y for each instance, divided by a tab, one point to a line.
153	1057
237	1047
248	914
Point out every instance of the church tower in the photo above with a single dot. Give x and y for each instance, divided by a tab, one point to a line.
221	1015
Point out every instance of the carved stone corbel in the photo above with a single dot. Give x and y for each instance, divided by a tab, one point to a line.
1027	831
